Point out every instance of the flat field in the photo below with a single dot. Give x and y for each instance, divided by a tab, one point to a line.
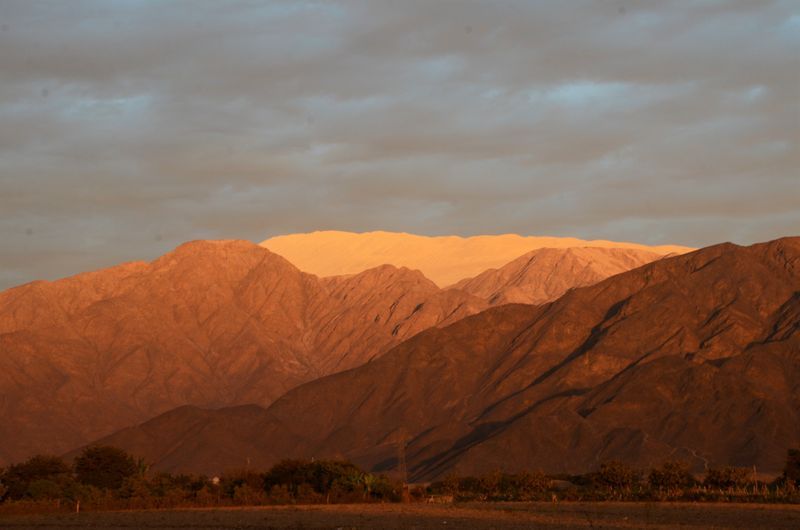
421	516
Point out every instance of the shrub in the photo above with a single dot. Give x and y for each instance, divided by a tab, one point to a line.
450	485
671	478
43	489
417	493
320	475
616	476
17	478
231	481
307	495
104	467
791	473
289	473
530	485
208	495
490	486
136	487
496	486
280	494
728	477
387	489
247	495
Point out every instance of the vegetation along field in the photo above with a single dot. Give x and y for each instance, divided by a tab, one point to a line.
108	488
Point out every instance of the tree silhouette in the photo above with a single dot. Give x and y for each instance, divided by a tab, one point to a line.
17	478
792	470
671	477
617	476
105	467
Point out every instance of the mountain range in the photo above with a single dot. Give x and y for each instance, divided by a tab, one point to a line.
228	323
444	259
692	357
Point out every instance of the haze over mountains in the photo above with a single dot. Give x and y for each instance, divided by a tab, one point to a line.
222	323
694	357
443	259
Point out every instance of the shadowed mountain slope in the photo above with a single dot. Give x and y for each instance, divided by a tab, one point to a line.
444	259
694	357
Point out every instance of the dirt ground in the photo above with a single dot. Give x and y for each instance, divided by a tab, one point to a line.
421	516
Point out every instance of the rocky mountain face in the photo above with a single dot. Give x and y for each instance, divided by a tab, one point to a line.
379	308
543	275
209	324
444	259
695	357
215	324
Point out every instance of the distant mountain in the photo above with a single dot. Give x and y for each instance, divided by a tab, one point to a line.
543	275
695	357
209	324
445	259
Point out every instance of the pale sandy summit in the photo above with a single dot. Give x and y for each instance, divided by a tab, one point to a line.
443	259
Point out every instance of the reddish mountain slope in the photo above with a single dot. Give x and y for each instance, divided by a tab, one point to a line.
223	323
382	307
694	357
543	275
210	324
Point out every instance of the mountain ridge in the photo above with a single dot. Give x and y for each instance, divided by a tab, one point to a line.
544	274
444	259
211	323
693	357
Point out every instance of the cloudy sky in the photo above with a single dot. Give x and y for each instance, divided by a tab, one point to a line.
128	127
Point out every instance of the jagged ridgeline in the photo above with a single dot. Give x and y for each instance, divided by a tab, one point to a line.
694	357
229	323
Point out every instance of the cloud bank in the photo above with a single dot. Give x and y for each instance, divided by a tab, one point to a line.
128	127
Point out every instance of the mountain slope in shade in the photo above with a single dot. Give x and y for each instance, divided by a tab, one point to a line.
444	259
209	324
694	357
543	275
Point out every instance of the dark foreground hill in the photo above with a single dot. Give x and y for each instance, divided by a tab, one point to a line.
695	357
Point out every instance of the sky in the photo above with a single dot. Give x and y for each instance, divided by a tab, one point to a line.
129	127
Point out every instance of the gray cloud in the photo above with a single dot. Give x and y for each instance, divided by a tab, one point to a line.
129	127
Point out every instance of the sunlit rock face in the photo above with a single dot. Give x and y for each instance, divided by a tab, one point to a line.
445	259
